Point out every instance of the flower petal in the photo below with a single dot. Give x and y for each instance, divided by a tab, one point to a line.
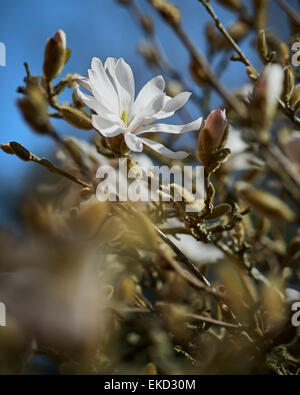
97	106
110	69
152	108
84	82
134	143
177	102
126	90
105	127
102	86
174	129
161	149
153	88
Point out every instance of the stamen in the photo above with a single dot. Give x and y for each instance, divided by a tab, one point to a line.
124	117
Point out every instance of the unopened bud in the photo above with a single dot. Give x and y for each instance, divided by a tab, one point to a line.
212	136
266	94
34	110
55	55
262	46
238	30
289	81
150	54
265	203
284	54
77	102
261	13
76	118
198	73
168	11
173	88
20	151
234	5
124	2
147	24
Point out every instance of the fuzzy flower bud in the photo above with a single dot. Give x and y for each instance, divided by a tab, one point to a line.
212	136
55	55
261	13
168	11
34	109
289	81
265	96
234	5
265	203
76	118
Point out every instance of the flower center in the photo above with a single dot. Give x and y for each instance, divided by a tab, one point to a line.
124	118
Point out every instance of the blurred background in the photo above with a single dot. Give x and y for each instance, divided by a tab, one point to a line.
99	28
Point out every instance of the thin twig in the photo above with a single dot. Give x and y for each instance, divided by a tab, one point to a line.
226	34
289	10
284	108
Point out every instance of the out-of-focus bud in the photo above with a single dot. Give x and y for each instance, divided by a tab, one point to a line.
126	290
262	46
261	13
292	147
295	97
198	73
34	110
173	88
212	136
284	54
238	30
77	102
274	316
76	118
234	5
289	81
56	55
264	203
185	200
150	369
168	11
265	98
91	215
150	53
147	23
124	2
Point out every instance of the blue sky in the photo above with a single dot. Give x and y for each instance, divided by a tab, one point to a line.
94	28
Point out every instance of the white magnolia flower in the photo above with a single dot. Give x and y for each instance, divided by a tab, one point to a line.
117	111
